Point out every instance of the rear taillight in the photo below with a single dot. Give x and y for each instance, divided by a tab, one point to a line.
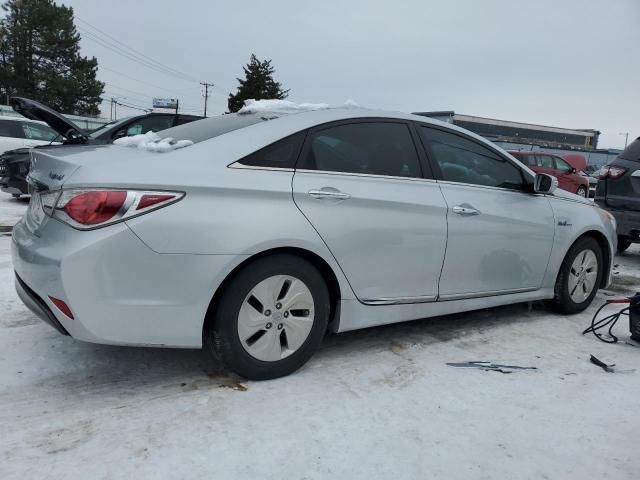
94	208
610	171
91	208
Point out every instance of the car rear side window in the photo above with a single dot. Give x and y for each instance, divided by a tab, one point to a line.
372	148
281	154
465	161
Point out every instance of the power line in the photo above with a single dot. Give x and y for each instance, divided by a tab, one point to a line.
125	50
132	57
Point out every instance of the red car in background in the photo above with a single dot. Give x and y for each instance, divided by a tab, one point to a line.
542	162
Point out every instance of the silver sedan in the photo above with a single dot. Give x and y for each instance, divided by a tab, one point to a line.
266	230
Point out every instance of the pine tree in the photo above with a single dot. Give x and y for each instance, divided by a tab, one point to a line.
40	58
258	84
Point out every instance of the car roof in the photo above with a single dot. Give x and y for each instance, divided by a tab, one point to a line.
292	122
23	119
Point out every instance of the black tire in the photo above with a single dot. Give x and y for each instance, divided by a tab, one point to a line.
623	244
562	301
582	191
221	337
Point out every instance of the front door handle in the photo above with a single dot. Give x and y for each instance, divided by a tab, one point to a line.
328	193
465	210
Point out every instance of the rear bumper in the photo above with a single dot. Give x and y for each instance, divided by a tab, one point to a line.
34	303
119	290
628	223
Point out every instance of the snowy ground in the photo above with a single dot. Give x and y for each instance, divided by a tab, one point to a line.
378	403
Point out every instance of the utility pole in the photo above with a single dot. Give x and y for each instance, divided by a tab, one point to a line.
206	95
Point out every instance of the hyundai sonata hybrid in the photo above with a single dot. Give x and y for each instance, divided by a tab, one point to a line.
272	228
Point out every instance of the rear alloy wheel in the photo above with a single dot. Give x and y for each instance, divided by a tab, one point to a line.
271	318
579	277
582	191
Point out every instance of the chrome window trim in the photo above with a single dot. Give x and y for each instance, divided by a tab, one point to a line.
399	300
240	166
492	293
367	175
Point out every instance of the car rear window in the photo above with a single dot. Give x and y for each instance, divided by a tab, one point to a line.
211	127
632	152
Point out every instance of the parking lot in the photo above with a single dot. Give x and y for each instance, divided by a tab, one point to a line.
374	403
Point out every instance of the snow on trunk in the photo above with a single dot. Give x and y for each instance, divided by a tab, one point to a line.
152	142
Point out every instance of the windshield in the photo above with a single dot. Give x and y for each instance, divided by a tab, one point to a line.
100	130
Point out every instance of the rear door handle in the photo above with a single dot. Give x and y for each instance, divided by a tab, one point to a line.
326	193
465	210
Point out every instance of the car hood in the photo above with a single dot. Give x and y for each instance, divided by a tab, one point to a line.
37	111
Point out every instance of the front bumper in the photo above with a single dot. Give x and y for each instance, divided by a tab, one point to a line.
119	290
14	186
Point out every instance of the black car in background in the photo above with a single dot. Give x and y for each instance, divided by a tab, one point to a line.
618	191
14	164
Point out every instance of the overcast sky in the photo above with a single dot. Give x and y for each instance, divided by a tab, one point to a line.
567	63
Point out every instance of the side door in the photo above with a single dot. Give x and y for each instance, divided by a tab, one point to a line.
499	235
360	184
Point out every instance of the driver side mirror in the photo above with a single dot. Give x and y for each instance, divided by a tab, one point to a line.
545	183
572	170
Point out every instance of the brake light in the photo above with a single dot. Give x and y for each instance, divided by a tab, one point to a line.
610	171
93	208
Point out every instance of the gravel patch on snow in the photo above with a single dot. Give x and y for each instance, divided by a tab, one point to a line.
376	403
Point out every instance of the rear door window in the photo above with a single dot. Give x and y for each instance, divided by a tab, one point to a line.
370	148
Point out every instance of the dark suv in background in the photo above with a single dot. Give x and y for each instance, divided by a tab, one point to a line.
618	191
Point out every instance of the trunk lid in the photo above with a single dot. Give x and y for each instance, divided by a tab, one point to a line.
37	111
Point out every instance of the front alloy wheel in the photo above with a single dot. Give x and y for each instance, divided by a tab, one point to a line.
583	275
579	277
582	191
